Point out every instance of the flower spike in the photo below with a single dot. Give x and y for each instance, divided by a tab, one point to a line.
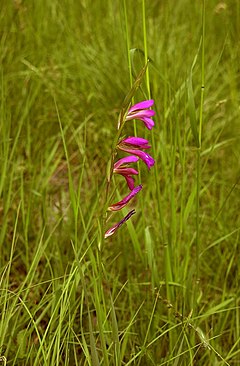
134	146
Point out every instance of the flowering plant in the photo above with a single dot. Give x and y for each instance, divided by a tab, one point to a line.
135	148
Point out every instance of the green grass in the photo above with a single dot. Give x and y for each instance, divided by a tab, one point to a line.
165	289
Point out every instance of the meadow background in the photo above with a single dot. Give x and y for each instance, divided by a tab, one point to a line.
165	289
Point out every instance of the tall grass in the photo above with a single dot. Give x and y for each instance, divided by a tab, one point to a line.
165	289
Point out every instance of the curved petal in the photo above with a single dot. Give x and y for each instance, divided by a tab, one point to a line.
149	123
125	160
140	114
130	181
136	142
125	171
146	158
142	105
115	227
119	205
144	116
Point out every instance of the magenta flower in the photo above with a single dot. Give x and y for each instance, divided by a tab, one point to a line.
119	205
115	227
122	167
132	145
141	111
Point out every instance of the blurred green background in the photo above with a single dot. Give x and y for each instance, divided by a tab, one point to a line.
172	273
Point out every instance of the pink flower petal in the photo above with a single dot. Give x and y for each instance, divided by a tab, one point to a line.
140	114
125	171
125	160
130	181
149	123
115	227
146	158
142	105
136	142
119	205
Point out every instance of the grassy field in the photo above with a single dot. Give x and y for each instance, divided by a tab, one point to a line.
164	290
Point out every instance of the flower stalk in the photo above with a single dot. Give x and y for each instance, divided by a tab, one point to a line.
135	148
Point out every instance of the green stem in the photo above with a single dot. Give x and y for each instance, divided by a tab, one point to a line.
198	172
128	42
145	46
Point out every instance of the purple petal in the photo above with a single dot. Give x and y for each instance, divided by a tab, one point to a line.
130	181
148	160
148	123
119	205
126	160
115	227
143	115
136	142
140	114
126	171
142	105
